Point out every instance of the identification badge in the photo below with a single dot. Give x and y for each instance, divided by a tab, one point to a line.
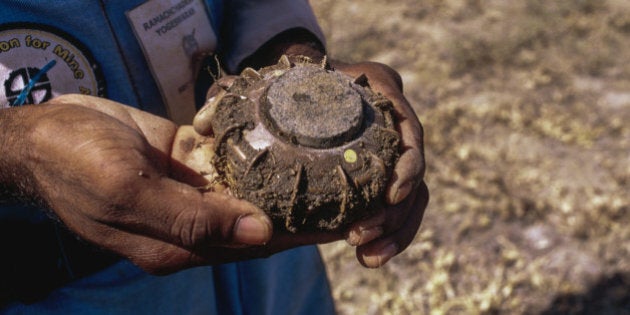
171	33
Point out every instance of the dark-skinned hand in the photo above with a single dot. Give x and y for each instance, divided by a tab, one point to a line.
391	230
388	233
107	172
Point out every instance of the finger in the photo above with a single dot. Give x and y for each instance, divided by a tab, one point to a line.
202	120
387	221
378	252
365	231
407	174
410	168
152	255
212	218
157	257
181	215
192	156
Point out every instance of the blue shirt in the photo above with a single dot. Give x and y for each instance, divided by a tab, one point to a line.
89	47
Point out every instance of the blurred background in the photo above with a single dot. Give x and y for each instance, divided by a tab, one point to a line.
526	110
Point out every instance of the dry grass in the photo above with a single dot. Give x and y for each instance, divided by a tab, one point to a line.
526	107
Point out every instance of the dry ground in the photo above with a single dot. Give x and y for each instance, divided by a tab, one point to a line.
526	109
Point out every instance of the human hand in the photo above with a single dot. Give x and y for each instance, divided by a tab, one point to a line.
106	172
381	237
390	231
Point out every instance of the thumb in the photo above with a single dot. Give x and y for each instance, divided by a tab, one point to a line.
252	230
182	215
221	220
191	164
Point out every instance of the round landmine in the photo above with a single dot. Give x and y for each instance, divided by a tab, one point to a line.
312	147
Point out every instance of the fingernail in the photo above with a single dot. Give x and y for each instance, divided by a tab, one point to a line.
364	235
382	256
253	230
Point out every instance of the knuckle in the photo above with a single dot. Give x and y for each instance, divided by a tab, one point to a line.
383	70
195	228
191	228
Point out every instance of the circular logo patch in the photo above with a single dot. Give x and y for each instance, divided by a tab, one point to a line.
39	62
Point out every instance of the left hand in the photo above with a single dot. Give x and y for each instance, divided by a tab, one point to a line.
388	233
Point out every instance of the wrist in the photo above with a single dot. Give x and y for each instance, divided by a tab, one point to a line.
292	42
17	183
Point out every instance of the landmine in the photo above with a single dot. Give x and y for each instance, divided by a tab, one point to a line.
312	147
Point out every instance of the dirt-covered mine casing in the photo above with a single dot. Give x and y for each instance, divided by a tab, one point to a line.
312	147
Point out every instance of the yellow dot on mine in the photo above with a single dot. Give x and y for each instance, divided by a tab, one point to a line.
350	156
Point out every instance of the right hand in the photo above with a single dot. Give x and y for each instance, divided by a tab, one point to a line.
106	171
390	231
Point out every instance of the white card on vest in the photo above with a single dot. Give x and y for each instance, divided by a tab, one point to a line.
170	33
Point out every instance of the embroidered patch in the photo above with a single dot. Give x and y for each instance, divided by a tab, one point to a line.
39	62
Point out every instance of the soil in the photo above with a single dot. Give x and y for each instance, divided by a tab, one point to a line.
525	106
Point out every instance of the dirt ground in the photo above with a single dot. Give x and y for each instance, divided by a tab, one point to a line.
526	109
